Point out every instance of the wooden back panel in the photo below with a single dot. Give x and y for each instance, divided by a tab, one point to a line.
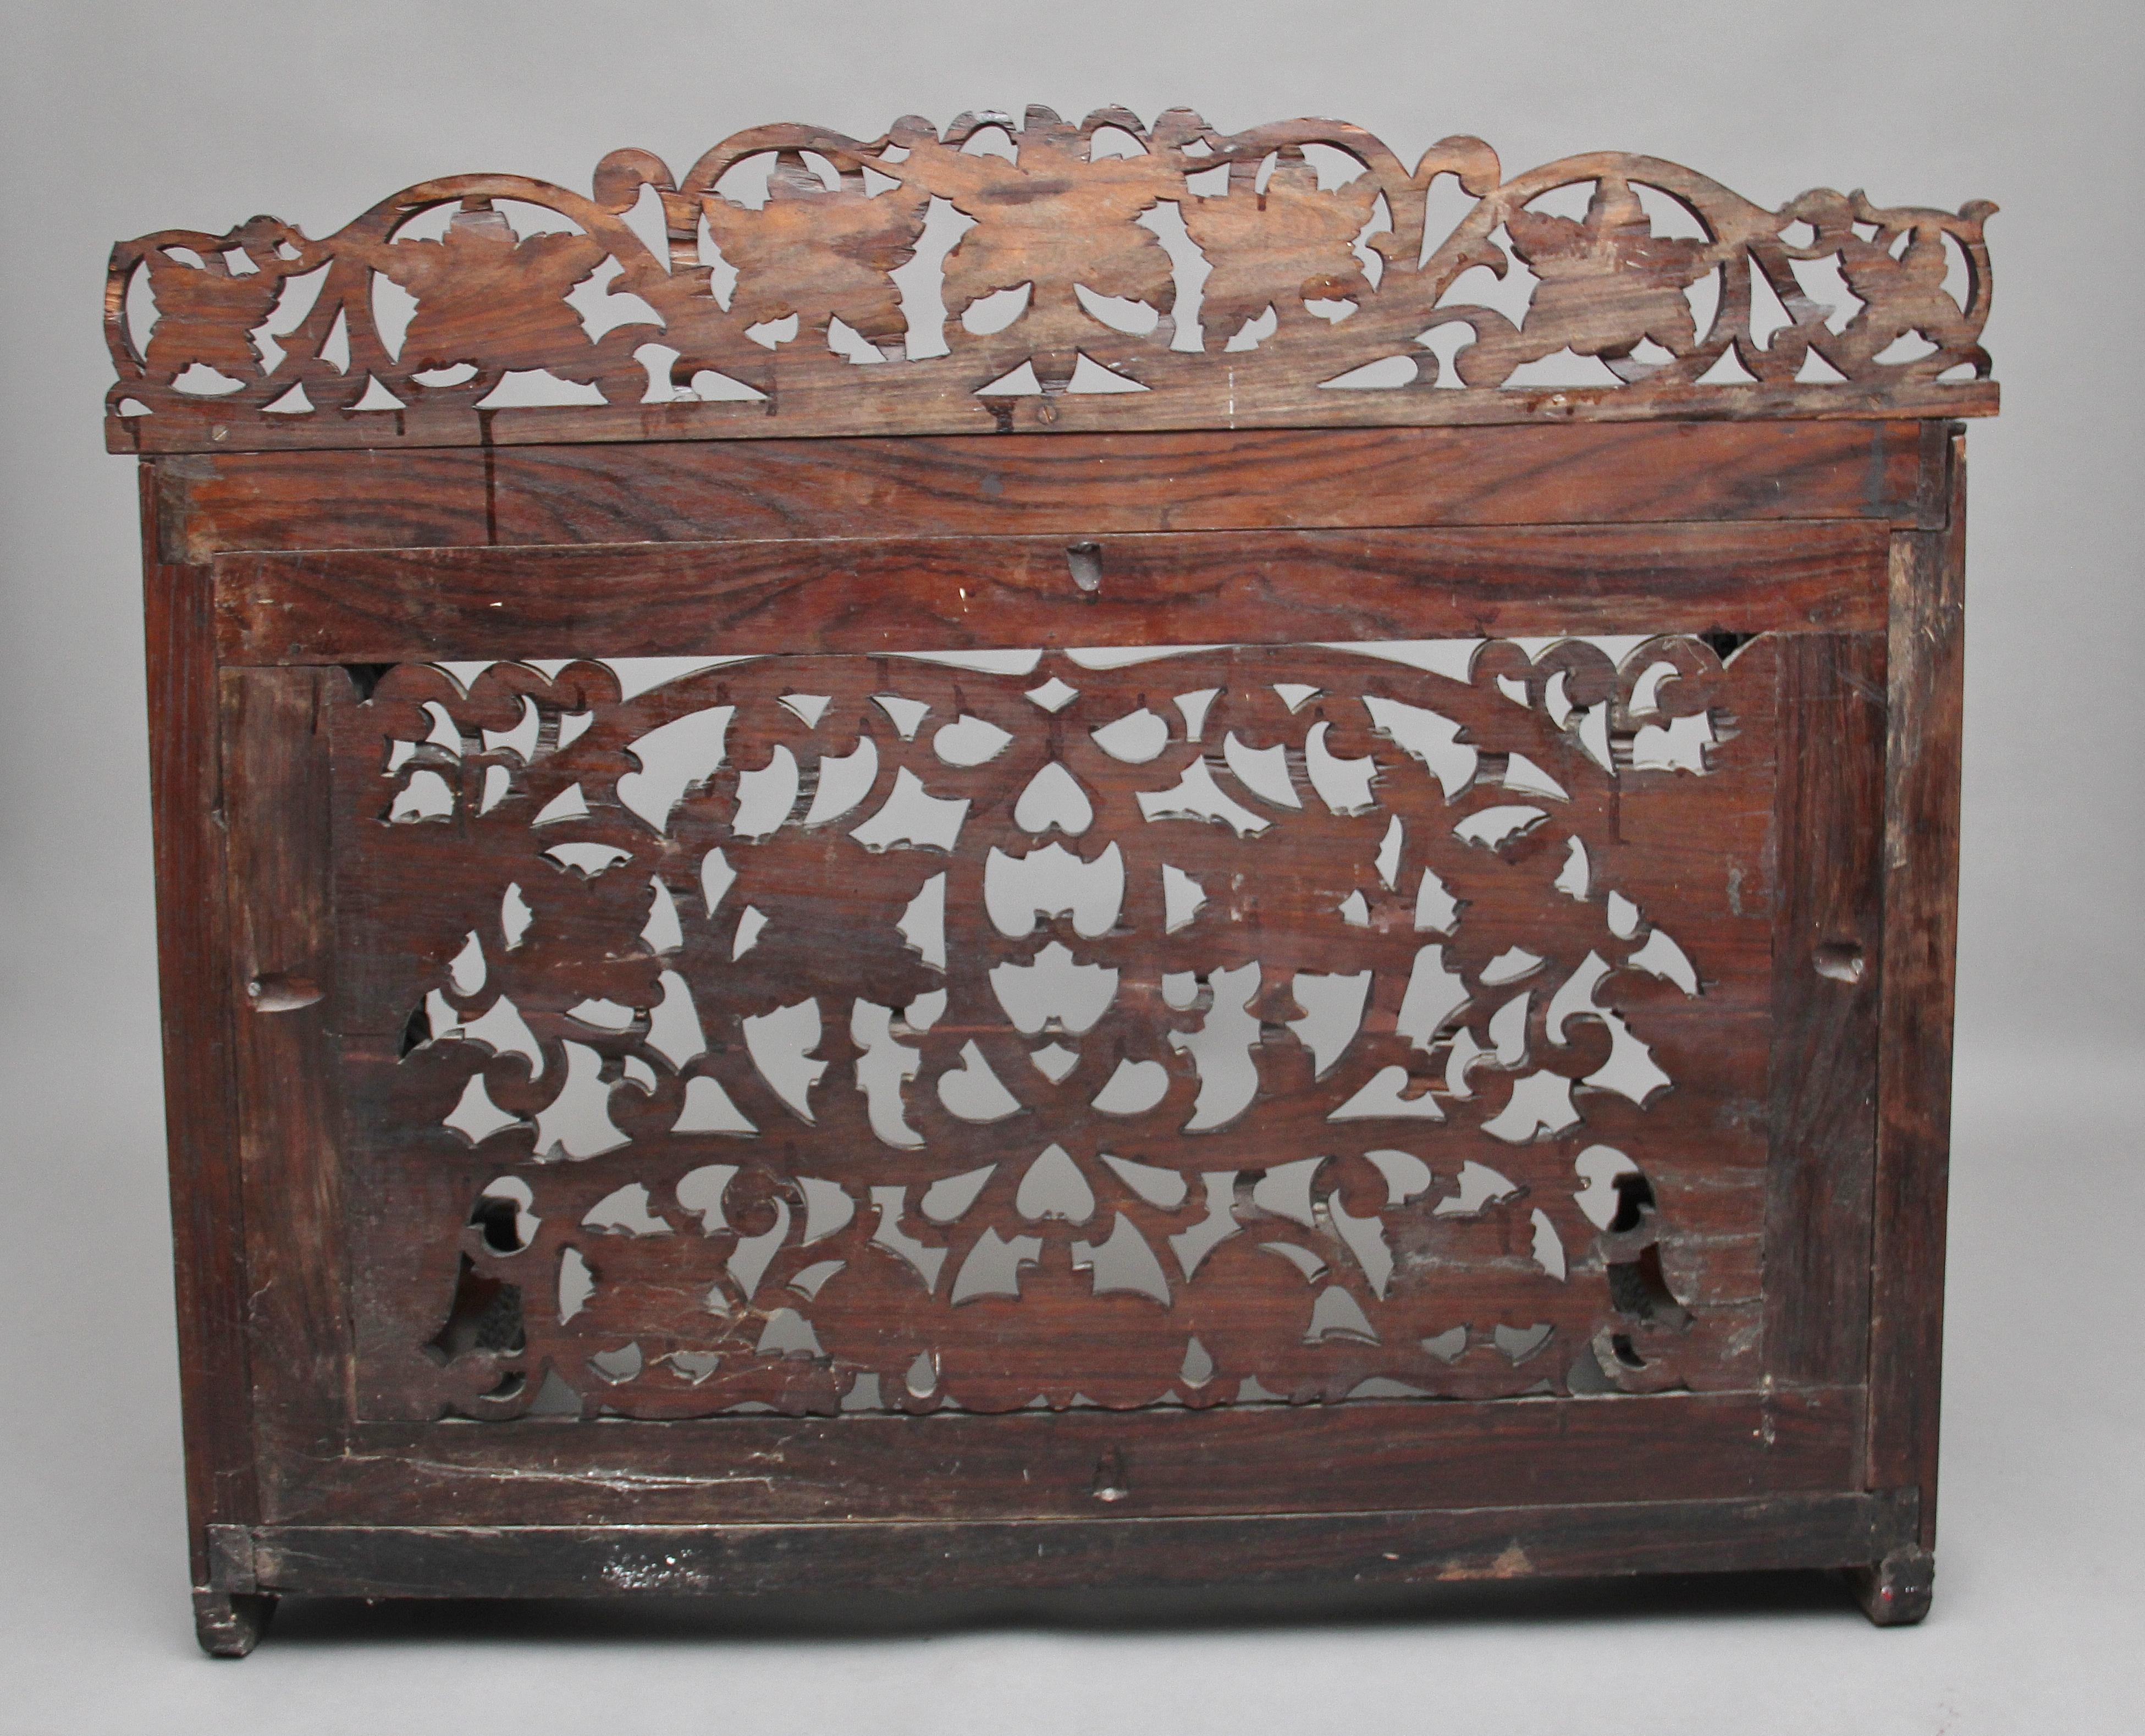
1234	952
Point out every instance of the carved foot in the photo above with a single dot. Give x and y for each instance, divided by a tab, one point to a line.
1895	1592
229	1624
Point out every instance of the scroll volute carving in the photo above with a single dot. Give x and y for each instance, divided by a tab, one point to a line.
1175	259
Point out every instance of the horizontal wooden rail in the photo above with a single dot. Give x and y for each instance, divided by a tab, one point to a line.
1389	1548
952	594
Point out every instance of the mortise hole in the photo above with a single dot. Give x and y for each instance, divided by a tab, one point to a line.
1839	960
1085	560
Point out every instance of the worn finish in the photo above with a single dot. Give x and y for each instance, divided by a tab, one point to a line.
1354	1457
1825	973
1370	958
1070	485
1104	275
1927	697
1376	1008
1398	1548
874	597
207	1196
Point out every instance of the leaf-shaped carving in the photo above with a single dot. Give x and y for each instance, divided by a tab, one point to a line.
1064	218
1289	244
496	300
207	311
820	253
1607	282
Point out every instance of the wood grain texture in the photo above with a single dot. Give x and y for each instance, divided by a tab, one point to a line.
1826	970
1927	686
765	1264
1399	1548
207	1198
1745	1342
281	968
1066	225
822	408
868	597
1043	1464
1056	484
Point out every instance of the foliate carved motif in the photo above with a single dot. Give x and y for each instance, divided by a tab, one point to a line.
1213	273
1218	1027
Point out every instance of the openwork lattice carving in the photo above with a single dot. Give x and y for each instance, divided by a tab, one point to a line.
1038	272
1207	1026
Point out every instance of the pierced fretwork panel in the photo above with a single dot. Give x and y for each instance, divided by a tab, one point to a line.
1224	1026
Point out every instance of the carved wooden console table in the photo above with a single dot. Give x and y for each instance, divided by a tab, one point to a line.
1019	857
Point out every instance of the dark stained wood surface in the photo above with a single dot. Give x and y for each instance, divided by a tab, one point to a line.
810	913
1826	969
822	405
1397	1547
208	1207
1063	484
1926	695
869	597
1818	1260
281	973
1060	307
1234	1459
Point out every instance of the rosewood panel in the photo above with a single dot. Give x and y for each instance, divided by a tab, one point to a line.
973	594
281	971
1394	1548
208	1202
1234	1024
1063	304
1070	485
1927	690
1369	1454
1826	969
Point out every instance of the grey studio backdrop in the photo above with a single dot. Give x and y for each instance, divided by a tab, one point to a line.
126	118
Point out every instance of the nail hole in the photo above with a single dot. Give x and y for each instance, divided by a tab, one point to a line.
1085	561
1840	960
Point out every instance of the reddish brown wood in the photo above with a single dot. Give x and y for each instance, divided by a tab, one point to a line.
1927	688
823	406
388	1390
1097	338
1826	953
866	596
207	1197
1061	484
1402	1547
821	907
282	967
1353	1457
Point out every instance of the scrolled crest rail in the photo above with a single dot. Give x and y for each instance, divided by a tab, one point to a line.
1040	274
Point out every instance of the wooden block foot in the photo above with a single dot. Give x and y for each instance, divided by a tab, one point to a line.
229	1624
1895	1592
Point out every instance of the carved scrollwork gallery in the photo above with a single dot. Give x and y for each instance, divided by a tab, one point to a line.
1165	277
